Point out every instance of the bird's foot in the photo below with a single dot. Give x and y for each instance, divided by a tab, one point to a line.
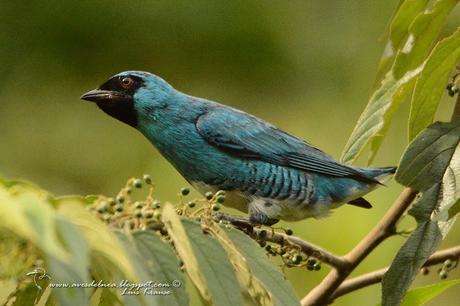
245	223
262	219
240	222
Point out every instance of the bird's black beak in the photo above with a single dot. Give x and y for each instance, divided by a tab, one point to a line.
100	95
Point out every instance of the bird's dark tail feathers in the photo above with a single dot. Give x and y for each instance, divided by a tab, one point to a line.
379	174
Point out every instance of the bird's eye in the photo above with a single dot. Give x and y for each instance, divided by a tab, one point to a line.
126	82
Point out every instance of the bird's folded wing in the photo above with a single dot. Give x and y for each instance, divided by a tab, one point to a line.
246	136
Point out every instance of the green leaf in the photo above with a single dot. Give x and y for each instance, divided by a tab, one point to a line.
432	83
431	164
74	269
110	297
27	295
420	296
46	298
263	269
374	120
415	251
422	33
251	285
399	28
455	209
26	213
101	240
398	82
427	157
155	261
205	260
95	299
8	288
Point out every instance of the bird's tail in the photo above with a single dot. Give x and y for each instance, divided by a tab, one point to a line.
380	174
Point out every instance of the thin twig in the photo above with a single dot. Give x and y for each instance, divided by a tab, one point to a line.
453	88
456	112
375	277
306	247
321	294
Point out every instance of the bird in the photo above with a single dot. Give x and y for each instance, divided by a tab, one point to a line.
264	171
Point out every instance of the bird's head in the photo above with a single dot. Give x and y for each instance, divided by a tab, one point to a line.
127	94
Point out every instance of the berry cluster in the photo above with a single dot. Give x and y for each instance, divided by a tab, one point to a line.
443	271
290	254
126	213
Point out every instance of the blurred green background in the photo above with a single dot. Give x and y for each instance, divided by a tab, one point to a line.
306	66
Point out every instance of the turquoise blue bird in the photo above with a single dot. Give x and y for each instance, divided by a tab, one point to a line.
265	171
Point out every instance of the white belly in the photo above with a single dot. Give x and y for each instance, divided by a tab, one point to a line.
288	210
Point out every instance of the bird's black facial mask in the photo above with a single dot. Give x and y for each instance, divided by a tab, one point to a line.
115	98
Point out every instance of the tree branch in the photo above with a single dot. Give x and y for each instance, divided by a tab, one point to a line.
456	112
306	247
453	88
321	294
377	276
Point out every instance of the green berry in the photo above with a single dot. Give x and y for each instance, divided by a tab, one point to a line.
311	261
296	259
443	274
120	198
119	208
268	248
448	263
163	231
147	214
289	232
138	204
147	179
208	195
221	199
220	193
425	271
128	190
185	191
215	207
137	183
102	208
112	202
317	267
157	214
191	204
137	213
156	204
263	243
262	234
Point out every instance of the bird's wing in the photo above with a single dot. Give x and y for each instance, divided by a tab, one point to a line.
246	136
